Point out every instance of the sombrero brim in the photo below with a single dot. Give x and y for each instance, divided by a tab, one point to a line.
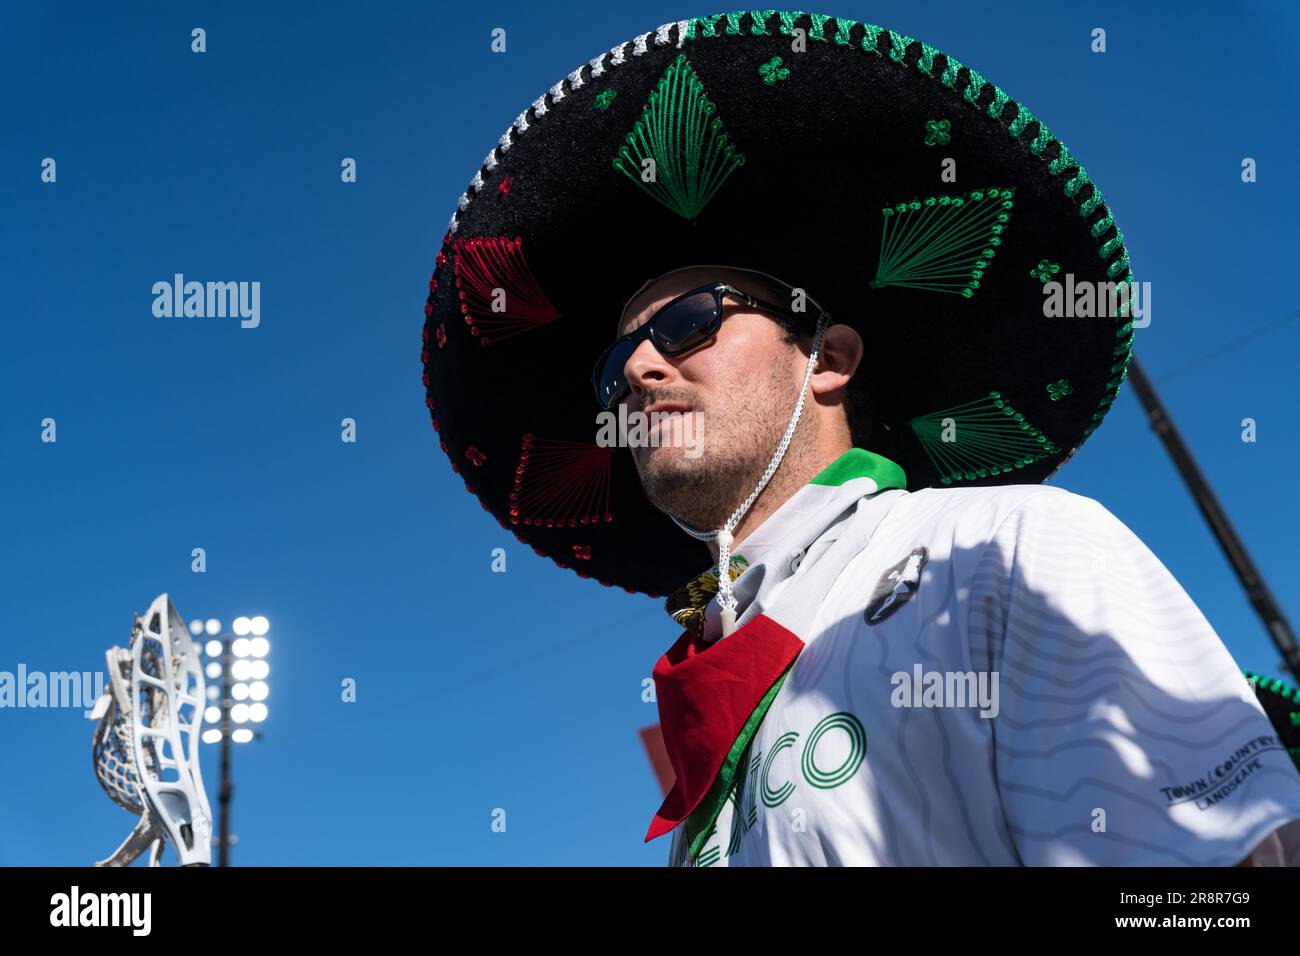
824	167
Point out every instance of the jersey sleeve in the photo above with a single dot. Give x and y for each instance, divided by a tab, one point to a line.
1126	734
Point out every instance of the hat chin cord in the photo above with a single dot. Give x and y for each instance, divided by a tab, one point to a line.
726	598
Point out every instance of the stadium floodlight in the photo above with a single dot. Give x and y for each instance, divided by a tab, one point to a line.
212	715
238	660
213	627
196	627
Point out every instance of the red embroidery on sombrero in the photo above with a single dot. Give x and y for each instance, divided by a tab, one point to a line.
561	483
499	296
706	695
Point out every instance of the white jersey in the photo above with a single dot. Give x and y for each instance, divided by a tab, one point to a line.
1001	676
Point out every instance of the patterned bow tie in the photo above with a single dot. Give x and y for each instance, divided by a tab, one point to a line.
686	605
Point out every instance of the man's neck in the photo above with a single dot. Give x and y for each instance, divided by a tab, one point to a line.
777	492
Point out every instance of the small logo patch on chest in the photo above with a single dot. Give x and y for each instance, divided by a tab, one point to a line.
895	587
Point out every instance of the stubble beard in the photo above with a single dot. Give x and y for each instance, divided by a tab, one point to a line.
704	492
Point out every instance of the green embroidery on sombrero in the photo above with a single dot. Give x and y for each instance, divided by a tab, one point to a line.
733	21
708	26
1058	390
772	70
604	98
759	21
1125	291
926	63
938	132
689	153
1011	114
788	17
1120	370
978	439
898	44
817	26
942	243
1045	269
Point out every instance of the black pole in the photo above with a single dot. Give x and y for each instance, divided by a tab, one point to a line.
1256	590
227	787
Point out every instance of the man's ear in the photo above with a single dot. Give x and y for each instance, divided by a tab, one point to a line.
840	354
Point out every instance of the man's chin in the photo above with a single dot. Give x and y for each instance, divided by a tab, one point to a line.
667	463
669	477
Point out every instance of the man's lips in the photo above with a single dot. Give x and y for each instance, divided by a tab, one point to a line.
663	410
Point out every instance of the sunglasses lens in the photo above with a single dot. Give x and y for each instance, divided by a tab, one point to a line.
610	382
686	323
676	328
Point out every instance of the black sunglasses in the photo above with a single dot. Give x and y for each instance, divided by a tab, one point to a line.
678	326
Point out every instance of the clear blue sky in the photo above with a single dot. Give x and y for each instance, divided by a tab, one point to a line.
481	690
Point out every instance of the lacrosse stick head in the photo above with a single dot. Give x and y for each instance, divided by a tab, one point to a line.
146	749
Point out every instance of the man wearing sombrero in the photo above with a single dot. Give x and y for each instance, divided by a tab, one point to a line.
919	655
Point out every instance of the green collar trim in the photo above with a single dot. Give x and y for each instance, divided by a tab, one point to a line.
860	463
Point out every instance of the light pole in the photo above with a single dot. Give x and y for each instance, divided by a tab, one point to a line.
240	662
1257	592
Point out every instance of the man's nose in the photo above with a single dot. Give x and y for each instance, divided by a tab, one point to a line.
646	366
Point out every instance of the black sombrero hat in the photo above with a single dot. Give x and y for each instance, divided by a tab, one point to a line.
808	147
